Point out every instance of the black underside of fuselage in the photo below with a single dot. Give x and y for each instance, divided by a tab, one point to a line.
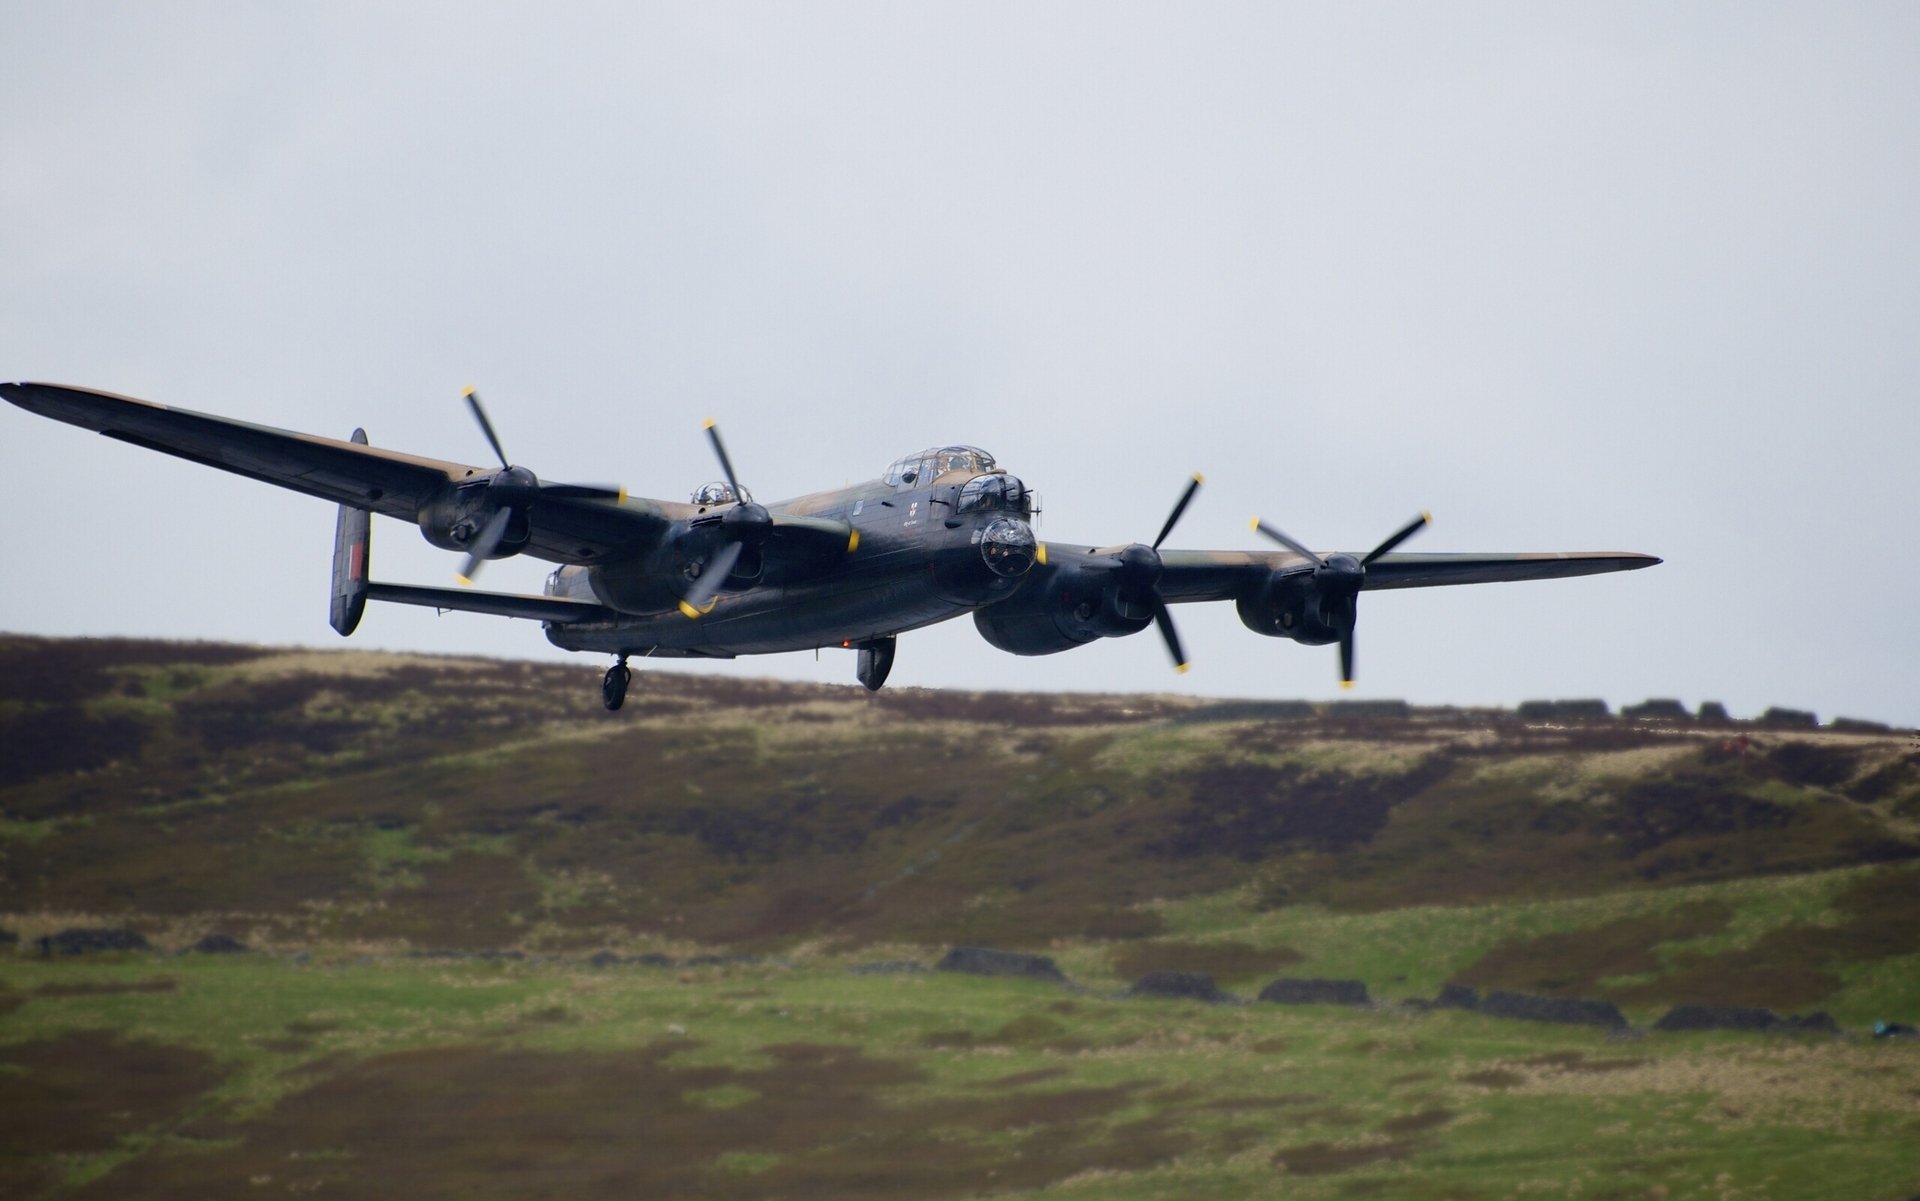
891	586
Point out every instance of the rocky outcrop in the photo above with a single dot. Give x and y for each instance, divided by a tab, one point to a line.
89	941
1183	986
985	961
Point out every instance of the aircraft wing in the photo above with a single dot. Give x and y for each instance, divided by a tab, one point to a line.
1200	575
381	481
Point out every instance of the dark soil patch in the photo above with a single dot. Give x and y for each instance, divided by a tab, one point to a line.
1798	966
1022	1079
1417	1123
1226	961
462	1122
83	1091
1574	962
1248	1104
1576	1062
64	738
1497	1078
1325	1159
68	670
304	1027
1249	811
1815	765
1900	776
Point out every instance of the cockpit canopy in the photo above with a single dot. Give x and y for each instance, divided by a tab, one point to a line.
719	492
925	466
998	491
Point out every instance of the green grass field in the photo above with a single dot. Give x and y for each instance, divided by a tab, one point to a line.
207	1076
343	814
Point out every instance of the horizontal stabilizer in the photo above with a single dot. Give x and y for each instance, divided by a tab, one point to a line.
557	610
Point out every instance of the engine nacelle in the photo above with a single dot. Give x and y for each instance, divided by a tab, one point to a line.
1075	608
455	517
1292	605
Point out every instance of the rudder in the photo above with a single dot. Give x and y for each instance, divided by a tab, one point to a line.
351	535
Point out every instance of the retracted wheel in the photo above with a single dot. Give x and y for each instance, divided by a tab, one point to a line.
876	660
613	689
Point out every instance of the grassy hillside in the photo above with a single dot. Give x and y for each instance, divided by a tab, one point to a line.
345	813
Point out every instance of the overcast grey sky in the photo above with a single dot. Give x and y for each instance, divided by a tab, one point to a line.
1581	277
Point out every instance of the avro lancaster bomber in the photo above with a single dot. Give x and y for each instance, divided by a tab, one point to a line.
943	533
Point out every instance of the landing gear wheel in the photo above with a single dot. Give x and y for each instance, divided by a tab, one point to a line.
613	689
876	660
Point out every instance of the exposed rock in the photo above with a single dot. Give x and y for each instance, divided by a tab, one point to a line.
1305	990
1796	718
1718	1017
219	944
1658	709
604	959
1577	710
8	938
1858	725
90	941
888	967
1369	709
984	961
1457	996
1568	1011
1818	1022
1714	711
1186	986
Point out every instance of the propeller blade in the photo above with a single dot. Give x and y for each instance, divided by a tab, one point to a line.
1407	531
1186	498
1276	536
484	544
1164	619
584	491
704	589
486	427
726	464
1346	656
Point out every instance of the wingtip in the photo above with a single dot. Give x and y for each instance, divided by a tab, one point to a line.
691	613
468	391
708	424
1346	685
464	580
1180	669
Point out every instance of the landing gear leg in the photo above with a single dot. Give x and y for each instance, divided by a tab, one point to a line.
876	660
613	689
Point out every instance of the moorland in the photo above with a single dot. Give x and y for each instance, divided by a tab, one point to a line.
377	925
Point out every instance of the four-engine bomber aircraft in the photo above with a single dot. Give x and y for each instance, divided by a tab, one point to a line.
942	533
